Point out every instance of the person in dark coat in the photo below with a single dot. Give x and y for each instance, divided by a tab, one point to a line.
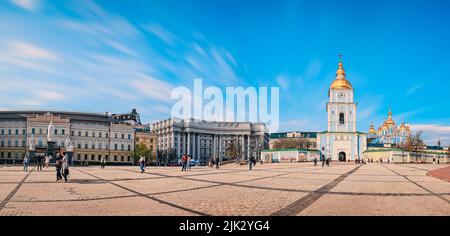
58	166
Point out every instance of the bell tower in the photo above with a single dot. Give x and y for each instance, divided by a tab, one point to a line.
341	108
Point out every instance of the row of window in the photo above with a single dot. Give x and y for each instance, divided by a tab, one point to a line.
63	132
93	157
16	131
15	155
9	143
40	144
56	131
100	146
79	157
100	135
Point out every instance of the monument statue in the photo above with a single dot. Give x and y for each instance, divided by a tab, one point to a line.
50	131
69	145
32	144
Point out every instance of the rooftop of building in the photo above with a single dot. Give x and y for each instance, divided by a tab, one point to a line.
74	116
289	149
287	135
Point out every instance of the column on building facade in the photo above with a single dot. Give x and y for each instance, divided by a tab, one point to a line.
185	143
214	146
193	145
172	140
188	150
248	147
178	144
220	147
243	147
198	147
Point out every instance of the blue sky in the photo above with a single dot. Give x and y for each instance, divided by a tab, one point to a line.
113	55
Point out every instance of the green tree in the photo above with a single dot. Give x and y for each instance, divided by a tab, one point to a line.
141	150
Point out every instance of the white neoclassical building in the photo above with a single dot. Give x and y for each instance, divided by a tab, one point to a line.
341	141
208	139
94	135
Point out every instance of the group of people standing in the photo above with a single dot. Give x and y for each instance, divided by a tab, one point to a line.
41	162
185	162
325	162
213	162
62	166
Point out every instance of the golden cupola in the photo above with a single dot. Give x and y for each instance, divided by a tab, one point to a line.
340	82
371	130
390	121
402	126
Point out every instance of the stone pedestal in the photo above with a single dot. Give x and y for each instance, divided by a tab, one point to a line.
51	149
31	154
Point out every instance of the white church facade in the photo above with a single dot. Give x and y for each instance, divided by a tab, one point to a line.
341	141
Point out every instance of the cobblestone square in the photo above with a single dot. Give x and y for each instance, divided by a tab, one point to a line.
269	189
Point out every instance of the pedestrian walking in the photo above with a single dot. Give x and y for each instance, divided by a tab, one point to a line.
102	163
47	161
58	165
211	162
323	162
65	167
25	163
188	162
327	162
217	163
39	162
142	164
250	164
434	160
183	162
315	161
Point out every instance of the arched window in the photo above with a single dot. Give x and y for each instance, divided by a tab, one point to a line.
341	118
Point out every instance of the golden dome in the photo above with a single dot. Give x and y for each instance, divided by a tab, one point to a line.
371	130
340	82
390	121
402	126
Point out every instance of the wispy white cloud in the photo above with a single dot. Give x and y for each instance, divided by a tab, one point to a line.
152	88
162	33
27	55
29	5
433	132
413	89
27	50
405	116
